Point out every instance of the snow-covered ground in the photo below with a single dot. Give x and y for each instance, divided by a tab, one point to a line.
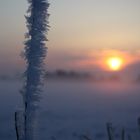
70	110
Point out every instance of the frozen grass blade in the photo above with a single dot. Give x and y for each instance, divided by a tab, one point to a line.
110	131
123	134
34	55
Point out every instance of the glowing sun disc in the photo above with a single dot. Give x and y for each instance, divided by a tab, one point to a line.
115	63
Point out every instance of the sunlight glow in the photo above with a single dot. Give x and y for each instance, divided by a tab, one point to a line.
115	63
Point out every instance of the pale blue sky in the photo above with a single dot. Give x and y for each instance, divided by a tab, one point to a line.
77	28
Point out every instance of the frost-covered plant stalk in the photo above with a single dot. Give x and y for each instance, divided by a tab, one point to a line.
35	52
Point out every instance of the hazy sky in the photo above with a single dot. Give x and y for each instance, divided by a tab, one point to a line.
80	34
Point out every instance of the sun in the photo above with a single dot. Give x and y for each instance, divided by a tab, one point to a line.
115	63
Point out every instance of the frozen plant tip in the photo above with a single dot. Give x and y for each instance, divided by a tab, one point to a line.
34	55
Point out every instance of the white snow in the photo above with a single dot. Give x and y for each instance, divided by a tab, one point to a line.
70	109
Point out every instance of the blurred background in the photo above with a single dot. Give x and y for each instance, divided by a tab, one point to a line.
92	68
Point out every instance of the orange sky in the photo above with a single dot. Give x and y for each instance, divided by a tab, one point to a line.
81	37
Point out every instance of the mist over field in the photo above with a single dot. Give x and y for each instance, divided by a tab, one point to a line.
71	109
70	70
